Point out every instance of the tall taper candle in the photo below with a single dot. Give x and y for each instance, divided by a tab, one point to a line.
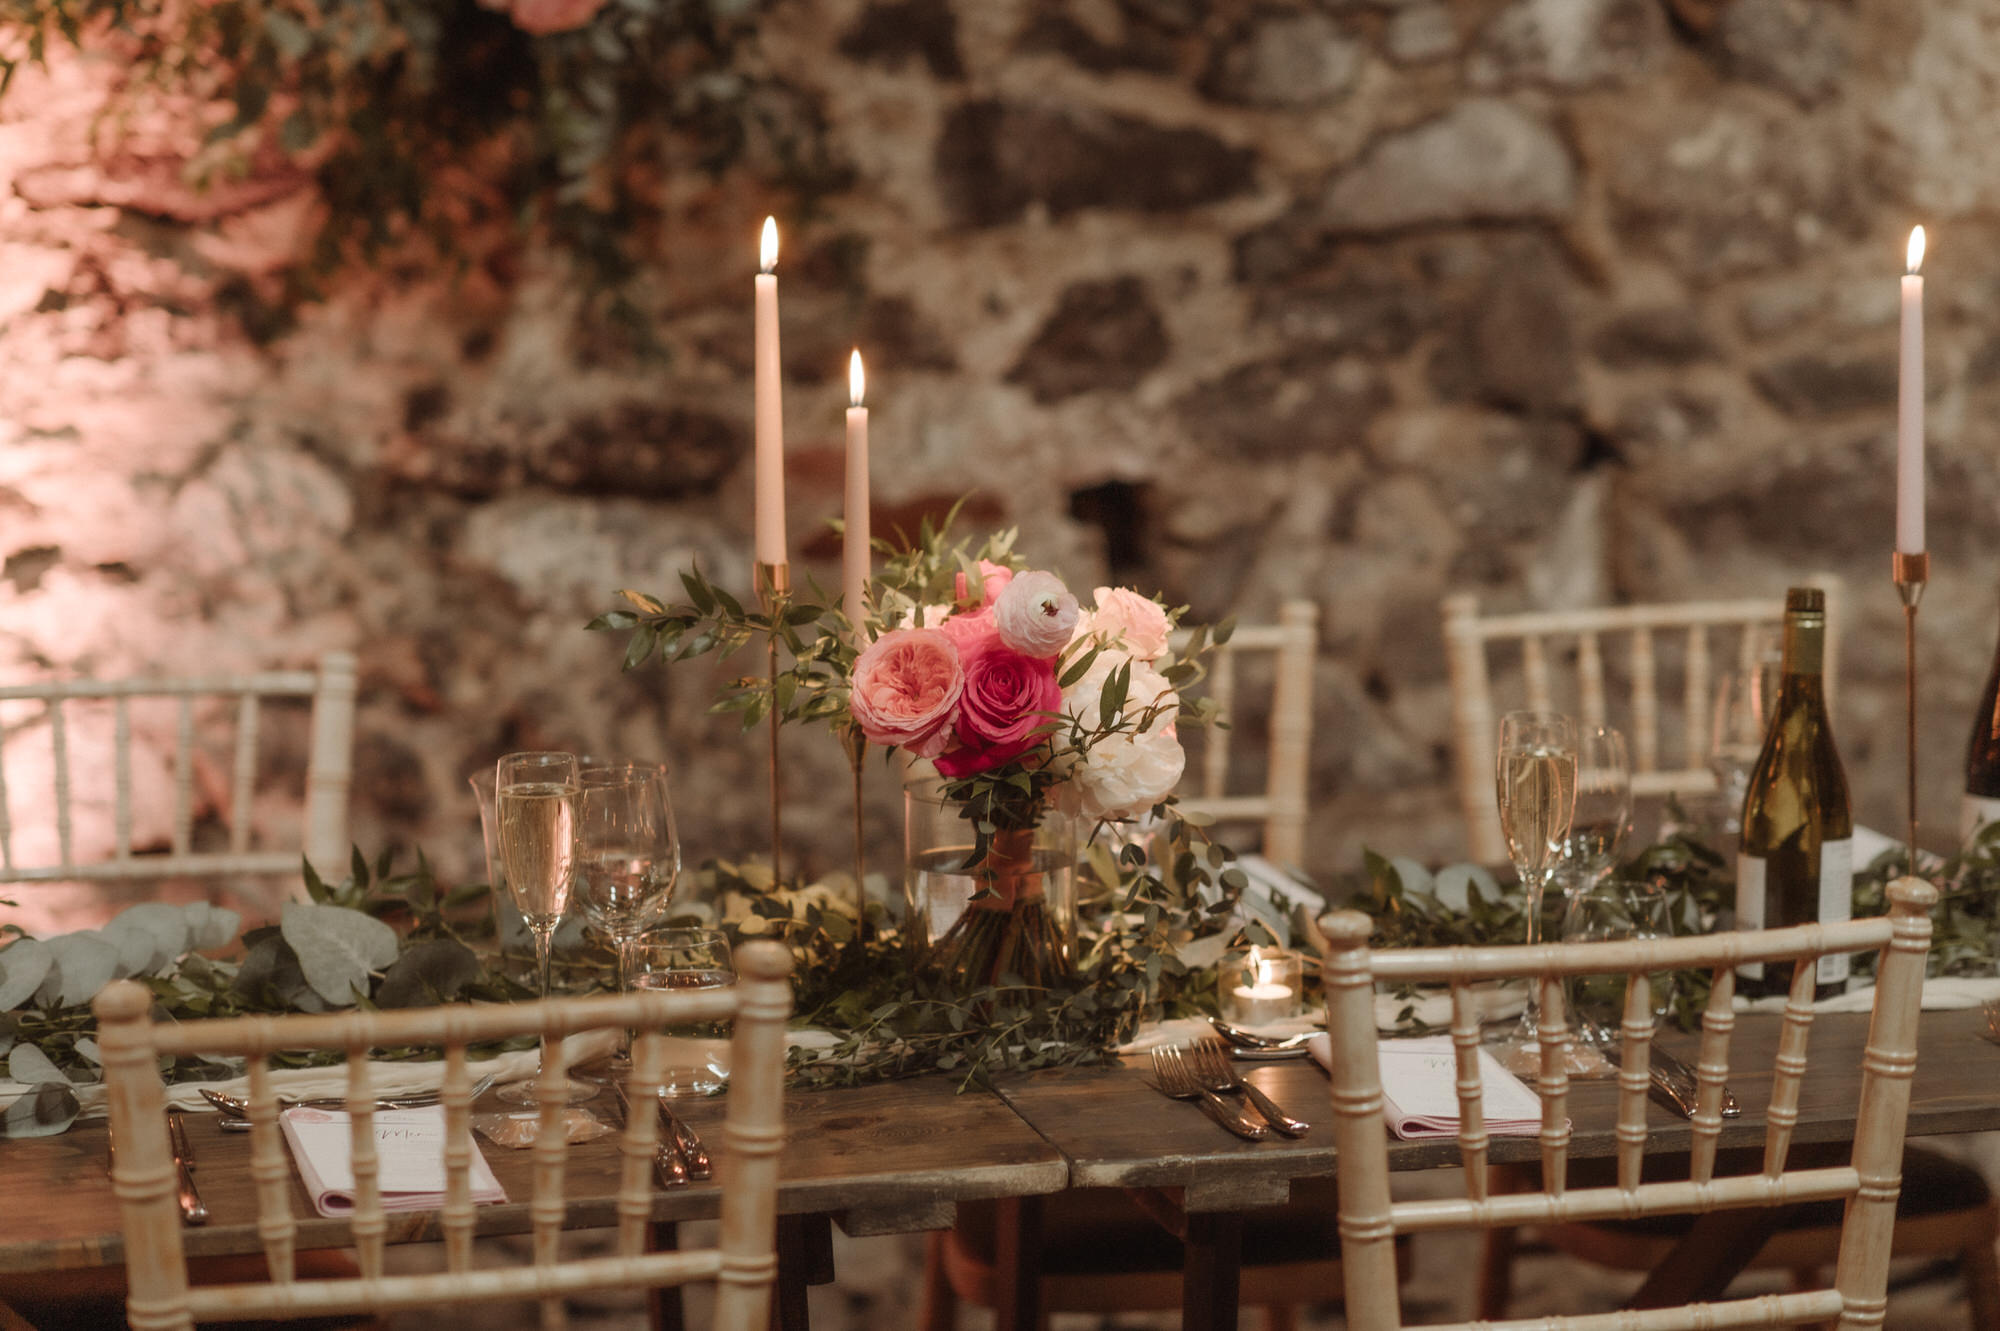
854	552
1910	408
770	470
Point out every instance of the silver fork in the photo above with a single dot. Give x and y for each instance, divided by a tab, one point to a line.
1209	1061
1171	1077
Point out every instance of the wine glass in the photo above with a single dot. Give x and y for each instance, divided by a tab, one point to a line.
1535	779
1736	736
697	1055
628	857
1603	808
1614	909
536	798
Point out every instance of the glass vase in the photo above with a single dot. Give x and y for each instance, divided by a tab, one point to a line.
978	918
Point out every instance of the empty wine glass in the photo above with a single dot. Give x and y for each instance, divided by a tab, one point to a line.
697	1055
628	857
1736	736
536	799
1603	808
1613	909
1535	779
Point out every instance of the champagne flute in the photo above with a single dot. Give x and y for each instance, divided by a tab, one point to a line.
1603	808
536	799
628	857
1535	778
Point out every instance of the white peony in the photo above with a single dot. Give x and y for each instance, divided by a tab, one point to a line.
1146	687
1125	775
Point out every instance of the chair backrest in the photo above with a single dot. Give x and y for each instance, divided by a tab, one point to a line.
36	857
1370	1221
742	1264
1645	638
1292	643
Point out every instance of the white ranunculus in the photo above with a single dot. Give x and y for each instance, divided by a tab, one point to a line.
1125	775
1035	614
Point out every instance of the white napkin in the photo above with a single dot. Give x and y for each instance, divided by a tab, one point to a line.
387	1079
1420	1089
1942	993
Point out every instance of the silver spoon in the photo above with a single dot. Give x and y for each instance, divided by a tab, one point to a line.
1246	1045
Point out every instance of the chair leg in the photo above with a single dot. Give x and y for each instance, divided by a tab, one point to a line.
1496	1273
939	1311
1982	1282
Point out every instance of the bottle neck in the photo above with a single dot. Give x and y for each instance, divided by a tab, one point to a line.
1805	649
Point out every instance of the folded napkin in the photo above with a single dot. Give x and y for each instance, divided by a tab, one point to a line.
387	1078
1420	1089
409	1149
1941	994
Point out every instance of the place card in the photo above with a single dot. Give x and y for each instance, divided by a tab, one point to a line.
1420	1090
409	1145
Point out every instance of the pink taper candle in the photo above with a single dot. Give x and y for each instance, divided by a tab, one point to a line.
854	552
1910	408
770	469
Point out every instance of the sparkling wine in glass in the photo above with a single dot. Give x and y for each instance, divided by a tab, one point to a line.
536	803
628	860
1535	781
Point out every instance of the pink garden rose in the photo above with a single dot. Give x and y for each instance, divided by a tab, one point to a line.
1035	614
541	17
906	690
993	580
971	633
1002	712
1137	620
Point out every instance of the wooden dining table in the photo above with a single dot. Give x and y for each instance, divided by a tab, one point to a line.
899	1157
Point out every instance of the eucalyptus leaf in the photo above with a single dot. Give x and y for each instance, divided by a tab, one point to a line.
338	949
84	963
135	947
86	1048
24	964
42	1111
428	973
30	1066
210	926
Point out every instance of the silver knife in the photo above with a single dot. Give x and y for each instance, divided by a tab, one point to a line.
1674	1082
687	1144
192	1210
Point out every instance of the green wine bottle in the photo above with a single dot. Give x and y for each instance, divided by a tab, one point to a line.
1796	861
1982	761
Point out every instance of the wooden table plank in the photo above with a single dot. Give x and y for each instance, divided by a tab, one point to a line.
1118	1132
875	1156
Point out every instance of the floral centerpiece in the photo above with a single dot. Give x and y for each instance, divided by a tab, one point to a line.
1034	710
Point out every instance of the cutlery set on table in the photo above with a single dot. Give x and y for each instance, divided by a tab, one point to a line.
1203	1072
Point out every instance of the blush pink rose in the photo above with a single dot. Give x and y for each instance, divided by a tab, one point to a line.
993	579
1137	620
541	17
971	633
906	690
1035	614
1003	711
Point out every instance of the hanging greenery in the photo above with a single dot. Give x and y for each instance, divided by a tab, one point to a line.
448	128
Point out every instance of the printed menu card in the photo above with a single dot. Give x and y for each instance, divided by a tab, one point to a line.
409	1143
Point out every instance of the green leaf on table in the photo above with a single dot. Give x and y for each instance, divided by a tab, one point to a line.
210	926
30	1066
338	949
270	975
84	963
42	1111
428	973
316	887
24	964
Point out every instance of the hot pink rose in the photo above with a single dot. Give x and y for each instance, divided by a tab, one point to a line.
1003	711
541	17
1138	620
906	690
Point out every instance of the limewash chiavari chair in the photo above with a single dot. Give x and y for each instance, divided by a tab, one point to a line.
742	1265
1868	1184
328	772
1280	807
1646	638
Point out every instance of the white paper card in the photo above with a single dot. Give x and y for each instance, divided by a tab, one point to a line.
1420	1089
409	1148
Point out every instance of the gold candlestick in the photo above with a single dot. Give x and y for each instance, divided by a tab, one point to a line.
774	589
1911	573
856	745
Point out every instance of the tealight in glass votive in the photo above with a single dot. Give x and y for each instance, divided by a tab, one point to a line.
1262	986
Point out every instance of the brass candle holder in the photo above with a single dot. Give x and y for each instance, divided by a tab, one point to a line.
1911	573
856	745
774	589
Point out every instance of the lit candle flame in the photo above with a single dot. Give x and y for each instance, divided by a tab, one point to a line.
856	381
1262	970
1916	252
767	259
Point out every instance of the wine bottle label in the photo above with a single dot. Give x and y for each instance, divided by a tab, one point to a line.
1836	901
1750	905
1975	813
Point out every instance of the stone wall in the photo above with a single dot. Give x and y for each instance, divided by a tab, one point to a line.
1557	301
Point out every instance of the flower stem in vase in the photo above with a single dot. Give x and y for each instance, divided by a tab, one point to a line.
1008	930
